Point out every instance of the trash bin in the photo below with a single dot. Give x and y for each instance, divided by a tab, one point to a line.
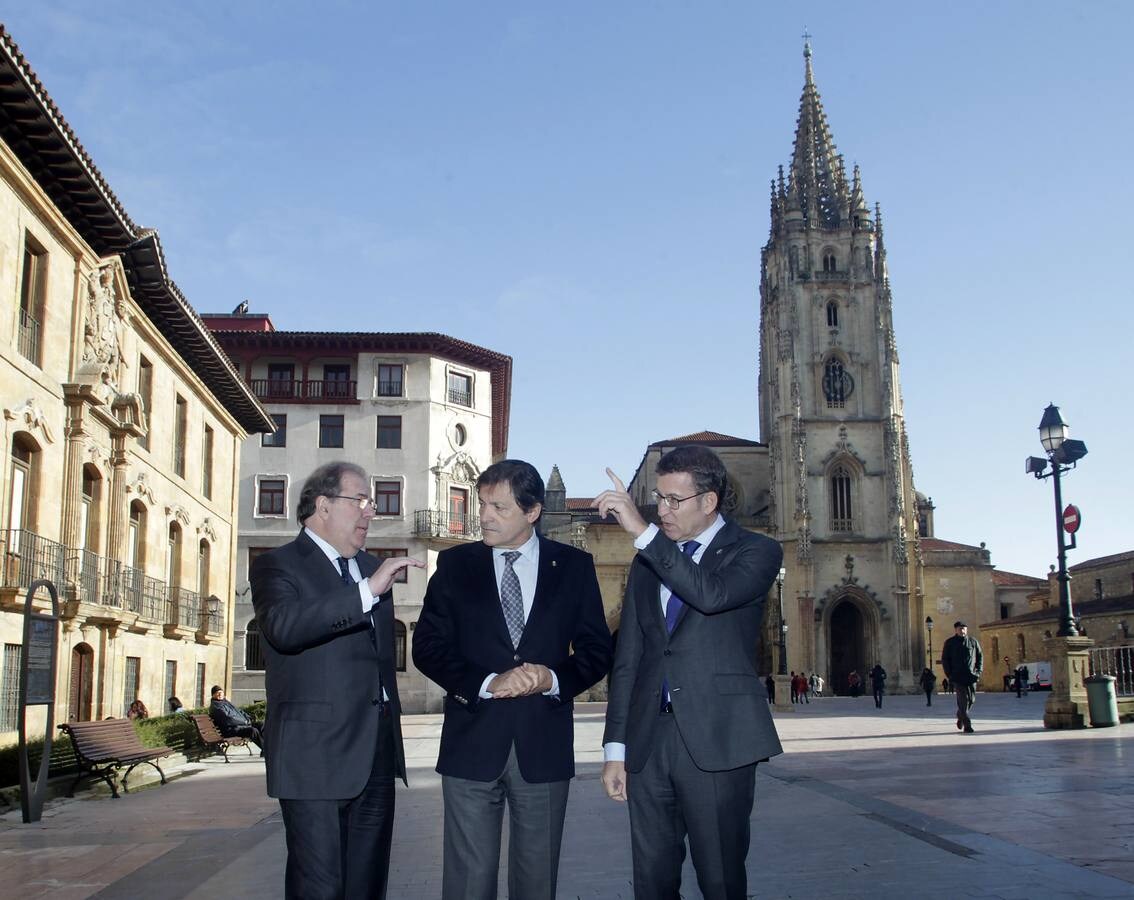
1101	700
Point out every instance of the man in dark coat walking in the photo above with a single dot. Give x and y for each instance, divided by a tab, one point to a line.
963	662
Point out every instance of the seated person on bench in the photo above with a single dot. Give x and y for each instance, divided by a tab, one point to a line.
232	721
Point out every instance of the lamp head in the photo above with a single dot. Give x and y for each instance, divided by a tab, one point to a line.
1052	429
929	622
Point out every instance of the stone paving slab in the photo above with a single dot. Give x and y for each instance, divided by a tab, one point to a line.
865	803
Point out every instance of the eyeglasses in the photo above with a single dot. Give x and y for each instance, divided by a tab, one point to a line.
671	501
360	502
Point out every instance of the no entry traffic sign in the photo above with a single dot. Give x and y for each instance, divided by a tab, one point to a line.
1071	519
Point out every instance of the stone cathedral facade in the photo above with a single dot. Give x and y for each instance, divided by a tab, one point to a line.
842	498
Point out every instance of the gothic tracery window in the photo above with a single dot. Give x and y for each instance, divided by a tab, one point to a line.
832	314
841	485
837	383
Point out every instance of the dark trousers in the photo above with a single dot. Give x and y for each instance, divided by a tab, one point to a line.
929	696
671	799
878	697
339	849
966	696
252	732
474	816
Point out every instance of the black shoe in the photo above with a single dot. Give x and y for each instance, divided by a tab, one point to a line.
960	724
968	729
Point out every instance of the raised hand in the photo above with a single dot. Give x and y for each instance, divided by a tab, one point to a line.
385	574
617	503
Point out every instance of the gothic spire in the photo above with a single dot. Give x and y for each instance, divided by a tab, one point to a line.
817	184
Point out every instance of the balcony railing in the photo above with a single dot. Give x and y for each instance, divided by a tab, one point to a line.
28	557
283	390
28	341
105	582
460	397
184	608
391	387
437	524
1116	661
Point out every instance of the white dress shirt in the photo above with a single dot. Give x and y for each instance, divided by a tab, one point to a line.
369	601
615	751
526	567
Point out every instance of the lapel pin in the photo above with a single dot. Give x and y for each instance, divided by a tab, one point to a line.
553	564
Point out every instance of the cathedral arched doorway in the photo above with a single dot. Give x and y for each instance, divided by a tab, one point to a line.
82	683
848	645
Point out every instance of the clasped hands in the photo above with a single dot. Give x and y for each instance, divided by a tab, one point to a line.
522	681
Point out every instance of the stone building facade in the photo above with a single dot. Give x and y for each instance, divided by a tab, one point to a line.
423	413
122	426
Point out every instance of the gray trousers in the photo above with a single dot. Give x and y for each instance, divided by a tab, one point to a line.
671	799
474	814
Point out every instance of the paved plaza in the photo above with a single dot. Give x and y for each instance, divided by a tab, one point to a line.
891	803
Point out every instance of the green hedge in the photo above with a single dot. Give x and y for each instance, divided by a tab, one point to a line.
176	731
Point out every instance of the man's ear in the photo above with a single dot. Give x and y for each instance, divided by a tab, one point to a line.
534	513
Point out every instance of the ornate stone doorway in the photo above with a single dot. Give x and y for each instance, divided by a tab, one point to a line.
82	683
848	645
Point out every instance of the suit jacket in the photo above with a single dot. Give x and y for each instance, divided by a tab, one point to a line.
461	638
719	701
323	667
227	717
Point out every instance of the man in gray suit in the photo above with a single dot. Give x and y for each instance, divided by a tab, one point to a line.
688	715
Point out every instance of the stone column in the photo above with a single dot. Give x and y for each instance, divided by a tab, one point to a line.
783	694
1069	666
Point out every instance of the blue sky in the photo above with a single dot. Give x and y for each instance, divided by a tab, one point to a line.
584	186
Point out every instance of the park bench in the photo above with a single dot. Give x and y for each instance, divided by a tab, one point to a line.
213	739
103	747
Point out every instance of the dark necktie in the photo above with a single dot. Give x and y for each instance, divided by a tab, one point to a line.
344	567
673	609
675	604
511	598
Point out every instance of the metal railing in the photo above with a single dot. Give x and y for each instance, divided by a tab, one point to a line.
184	608
460	397
28	341
107	582
27	556
434	523
391	387
297	389
1116	661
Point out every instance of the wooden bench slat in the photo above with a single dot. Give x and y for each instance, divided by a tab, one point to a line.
103	747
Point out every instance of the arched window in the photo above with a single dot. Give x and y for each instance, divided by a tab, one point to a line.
204	557
89	533
996	648
21	493
253	652
1021	649
838	384
829	261
173	556
399	645
832	314
842	483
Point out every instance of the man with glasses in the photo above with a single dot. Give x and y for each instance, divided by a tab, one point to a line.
333	729
688	715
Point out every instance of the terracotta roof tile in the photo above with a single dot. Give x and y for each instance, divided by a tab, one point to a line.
1013	579
708	438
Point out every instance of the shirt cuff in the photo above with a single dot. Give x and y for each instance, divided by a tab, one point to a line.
554	691
484	692
369	601
614	752
643	540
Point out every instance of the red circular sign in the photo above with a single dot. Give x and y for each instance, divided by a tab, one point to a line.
1071	519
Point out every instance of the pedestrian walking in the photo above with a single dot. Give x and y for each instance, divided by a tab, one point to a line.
927	681
963	661
878	683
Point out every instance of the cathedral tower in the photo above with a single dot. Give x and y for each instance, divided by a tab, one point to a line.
842	495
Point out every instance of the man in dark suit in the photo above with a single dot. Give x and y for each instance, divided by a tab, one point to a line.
512	629
333	729
688	715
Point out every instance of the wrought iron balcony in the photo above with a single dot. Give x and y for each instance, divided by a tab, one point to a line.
432	523
460	397
28	340
284	390
28	556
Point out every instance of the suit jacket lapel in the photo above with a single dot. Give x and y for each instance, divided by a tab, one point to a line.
547	581
710	559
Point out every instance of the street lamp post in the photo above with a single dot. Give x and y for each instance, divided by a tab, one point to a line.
929	630
1062	453
783	625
